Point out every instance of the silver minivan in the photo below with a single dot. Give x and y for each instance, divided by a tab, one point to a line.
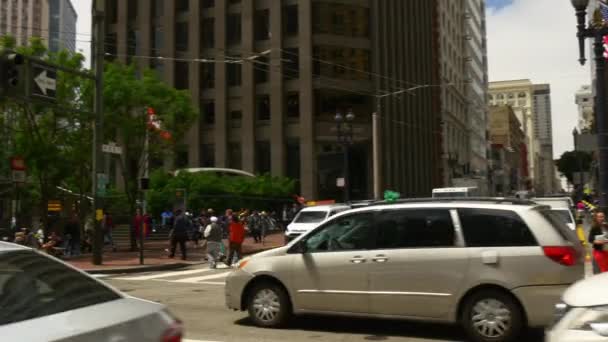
493	265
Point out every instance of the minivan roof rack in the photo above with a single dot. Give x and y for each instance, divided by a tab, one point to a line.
495	200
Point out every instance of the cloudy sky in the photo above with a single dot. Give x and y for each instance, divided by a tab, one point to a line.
532	39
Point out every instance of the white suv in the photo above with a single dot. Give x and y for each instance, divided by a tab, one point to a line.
310	217
493	265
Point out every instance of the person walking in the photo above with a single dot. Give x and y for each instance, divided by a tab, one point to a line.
236	238
137	224
213	234
598	238
179	234
107	225
253	223
265	225
72	234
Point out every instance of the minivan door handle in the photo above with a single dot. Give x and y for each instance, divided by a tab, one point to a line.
380	258
489	257
358	260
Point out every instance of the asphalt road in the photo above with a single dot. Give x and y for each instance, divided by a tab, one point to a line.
197	297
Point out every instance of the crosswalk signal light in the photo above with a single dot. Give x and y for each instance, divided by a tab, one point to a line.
10	78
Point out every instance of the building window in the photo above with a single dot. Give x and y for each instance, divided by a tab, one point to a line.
292	105
261	66
290	20
112	11
207	155
355	60
208	3
181	36
292	160
181	75
157	40
236	115
262	24
263	107
291	63
234	73
341	19
181	6
132	44
233	29
157	8
234	2
262	157
522	95
235	156
132	10
207	75
181	157
208	108
208	33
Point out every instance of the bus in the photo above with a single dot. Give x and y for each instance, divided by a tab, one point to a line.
455	192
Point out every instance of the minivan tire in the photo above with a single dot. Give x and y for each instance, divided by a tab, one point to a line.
268	305
487	308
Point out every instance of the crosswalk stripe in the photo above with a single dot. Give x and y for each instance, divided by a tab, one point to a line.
198	279
165	275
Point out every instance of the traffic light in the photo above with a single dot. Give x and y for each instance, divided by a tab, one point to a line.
10	72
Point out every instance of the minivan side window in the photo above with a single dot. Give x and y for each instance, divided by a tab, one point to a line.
494	228
347	233
415	228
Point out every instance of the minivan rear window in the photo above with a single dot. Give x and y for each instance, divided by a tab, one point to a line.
311	216
557	222
494	228
33	286
564	215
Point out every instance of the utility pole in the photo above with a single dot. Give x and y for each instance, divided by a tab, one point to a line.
376	152
98	160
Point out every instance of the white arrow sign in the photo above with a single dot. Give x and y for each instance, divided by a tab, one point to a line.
45	83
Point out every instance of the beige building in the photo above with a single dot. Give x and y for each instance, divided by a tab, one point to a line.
543	130
508	156
519	94
276	73
52	20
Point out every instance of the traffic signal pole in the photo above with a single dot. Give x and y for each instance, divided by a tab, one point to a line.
98	160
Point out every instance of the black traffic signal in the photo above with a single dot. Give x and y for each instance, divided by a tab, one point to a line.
10	72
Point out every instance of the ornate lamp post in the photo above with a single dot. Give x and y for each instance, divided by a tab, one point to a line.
344	129
596	30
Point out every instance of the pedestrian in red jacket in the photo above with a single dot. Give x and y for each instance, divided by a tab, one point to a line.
236	238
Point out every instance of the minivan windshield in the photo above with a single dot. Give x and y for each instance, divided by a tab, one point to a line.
310	216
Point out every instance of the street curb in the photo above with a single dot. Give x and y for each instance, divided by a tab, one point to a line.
139	269
156	268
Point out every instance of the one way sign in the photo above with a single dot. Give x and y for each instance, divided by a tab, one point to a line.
44	83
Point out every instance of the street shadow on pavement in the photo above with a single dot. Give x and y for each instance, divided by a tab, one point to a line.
382	330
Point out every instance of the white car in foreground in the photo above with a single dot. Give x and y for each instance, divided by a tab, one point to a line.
43	299
583	314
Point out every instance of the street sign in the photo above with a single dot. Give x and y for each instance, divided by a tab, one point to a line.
44	85
54	205
102	181
112	148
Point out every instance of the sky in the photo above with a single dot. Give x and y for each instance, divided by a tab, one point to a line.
536	40
527	39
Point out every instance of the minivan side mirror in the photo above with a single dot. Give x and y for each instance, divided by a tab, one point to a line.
298	248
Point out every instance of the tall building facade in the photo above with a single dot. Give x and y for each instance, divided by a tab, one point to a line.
507	139
52	20
543	130
519	94
463	72
275	73
584	100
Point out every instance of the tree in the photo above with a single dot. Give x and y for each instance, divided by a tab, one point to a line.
573	161
127	95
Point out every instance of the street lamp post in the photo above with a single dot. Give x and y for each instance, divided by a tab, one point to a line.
344	130
596	31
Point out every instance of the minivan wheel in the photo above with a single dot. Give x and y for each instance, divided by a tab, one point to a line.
269	305
492	316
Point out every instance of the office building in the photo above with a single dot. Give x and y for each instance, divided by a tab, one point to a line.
507	138
519	95
543	130
584	100
277	78
52	20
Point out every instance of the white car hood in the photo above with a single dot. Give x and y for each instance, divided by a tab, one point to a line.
588	292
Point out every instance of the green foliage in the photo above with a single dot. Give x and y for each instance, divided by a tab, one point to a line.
208	190
573	161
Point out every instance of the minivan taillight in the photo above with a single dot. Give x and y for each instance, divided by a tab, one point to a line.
174	333
564	255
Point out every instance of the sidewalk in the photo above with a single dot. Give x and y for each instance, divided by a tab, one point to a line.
156	257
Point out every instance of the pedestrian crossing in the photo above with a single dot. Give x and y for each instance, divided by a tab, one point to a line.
204	276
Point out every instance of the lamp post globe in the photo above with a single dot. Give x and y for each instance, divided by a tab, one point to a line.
350	116
339	117
580	5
